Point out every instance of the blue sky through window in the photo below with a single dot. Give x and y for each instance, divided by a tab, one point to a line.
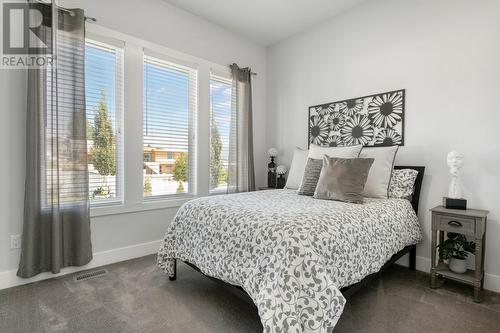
168	98
220	92
166	107
100	75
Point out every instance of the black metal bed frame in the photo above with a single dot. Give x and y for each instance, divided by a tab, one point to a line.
352	289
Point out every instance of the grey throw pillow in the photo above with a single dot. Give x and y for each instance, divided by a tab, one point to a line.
311	176
343	179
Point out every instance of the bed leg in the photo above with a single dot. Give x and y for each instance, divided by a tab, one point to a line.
413	257
174	277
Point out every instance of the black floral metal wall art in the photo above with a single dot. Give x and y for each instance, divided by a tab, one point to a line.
319	128
375	120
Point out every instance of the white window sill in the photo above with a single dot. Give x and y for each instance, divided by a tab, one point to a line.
148	204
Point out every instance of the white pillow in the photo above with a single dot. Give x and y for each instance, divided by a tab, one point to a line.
379	177
317	152
297	168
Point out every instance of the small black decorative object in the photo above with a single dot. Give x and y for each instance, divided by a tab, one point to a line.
451	203
281	181
374	120
271	173
271	168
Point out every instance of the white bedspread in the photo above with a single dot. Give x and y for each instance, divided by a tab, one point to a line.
290	253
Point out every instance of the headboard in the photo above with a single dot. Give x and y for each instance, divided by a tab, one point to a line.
418	183
372	121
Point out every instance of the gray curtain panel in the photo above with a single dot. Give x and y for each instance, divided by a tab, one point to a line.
56	231
241	176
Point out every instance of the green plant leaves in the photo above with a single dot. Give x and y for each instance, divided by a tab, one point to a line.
456	246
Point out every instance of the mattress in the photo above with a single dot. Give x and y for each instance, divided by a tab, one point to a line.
292	254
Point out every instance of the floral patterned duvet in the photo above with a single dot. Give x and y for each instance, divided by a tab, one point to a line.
290	253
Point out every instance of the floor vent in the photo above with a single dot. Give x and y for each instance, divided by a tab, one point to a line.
91	275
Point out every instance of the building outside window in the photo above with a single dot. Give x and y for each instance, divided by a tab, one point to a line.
169	109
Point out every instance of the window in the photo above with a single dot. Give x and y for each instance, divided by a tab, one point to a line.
168	127
167	138
103	97
220	122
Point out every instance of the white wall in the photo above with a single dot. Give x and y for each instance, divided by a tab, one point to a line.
124	235
445	53
447	56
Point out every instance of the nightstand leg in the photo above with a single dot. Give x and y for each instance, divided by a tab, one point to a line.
433	259
433	279
477	293
482	256
441	236
479	269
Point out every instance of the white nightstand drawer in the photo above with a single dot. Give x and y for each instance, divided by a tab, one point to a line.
460	225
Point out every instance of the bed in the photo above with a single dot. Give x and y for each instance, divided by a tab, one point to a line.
298	258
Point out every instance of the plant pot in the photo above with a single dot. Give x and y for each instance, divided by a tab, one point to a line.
457	265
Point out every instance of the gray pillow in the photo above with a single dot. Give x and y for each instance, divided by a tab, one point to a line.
343	179
311	176
315	162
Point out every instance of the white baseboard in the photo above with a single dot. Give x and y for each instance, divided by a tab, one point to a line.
492	282
10	279
423	264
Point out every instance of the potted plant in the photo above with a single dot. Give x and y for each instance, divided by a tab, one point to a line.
456	249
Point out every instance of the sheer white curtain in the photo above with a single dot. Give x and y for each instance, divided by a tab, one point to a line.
241	177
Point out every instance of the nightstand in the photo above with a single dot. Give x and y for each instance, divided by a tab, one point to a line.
470	222
263	188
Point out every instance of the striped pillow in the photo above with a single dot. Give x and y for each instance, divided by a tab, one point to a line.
311	176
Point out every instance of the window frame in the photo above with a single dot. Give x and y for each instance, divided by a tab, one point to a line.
224	77
132	126
108	42
192	125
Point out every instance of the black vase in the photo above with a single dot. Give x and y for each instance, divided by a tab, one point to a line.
281	181
271	173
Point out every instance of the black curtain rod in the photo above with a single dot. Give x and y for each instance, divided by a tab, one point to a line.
87	18
235	64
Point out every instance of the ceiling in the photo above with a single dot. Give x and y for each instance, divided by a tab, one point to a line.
265	21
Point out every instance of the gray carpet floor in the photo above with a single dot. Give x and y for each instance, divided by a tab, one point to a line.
136	297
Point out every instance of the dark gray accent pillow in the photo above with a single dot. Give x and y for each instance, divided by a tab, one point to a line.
311	176
343	179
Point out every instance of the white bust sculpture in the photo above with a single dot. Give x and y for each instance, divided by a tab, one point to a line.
455	162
